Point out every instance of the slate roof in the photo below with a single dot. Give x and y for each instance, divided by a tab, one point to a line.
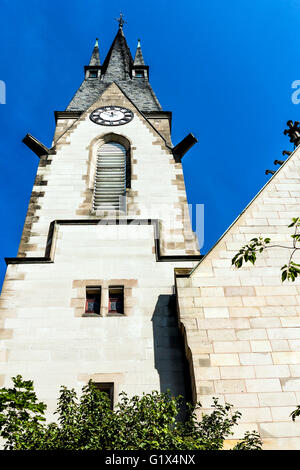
117	67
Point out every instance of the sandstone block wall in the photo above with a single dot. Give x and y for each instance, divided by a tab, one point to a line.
243	326
44	337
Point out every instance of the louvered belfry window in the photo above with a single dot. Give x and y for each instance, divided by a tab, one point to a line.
110	181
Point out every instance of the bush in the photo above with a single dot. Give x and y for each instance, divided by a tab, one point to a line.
88	423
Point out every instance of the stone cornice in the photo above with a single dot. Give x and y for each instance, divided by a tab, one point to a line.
48	257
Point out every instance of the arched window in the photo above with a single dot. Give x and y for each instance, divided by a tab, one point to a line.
110	180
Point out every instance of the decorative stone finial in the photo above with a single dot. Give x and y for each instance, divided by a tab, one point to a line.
293	132
121	20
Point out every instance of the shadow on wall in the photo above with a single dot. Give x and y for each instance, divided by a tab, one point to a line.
169	356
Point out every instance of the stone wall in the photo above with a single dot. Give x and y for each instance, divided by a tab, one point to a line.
242	326
45	337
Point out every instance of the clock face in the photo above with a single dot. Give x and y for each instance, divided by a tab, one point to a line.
111	116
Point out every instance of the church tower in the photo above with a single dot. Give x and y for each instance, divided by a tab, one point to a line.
90	294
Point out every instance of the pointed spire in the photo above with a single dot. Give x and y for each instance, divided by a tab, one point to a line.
118	62
117	67
95	58
139	59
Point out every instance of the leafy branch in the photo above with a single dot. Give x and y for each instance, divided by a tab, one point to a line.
290	271
295	413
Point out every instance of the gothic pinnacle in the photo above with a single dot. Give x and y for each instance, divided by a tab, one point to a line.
95	58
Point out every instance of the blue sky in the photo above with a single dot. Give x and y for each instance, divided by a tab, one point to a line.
224	69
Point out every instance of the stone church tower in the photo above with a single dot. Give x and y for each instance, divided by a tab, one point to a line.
108	283
90	294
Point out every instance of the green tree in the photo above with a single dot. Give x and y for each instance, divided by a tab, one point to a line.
88	422
290	271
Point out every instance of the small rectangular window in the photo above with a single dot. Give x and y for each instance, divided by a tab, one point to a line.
139	73
92	302
106	387
93	74
116	300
